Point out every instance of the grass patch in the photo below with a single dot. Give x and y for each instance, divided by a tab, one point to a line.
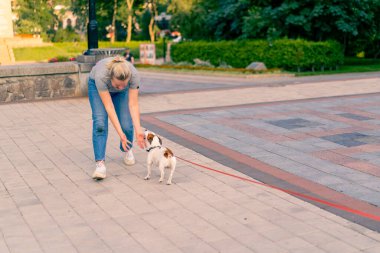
202	70
205	69
70	49
362	65
344	69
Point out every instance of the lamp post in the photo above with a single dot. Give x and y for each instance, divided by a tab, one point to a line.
163	24
92	27
93	54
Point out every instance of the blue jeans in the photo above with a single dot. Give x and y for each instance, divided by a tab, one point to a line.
100	118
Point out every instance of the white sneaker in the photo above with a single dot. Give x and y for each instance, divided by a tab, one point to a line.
129	158
100	171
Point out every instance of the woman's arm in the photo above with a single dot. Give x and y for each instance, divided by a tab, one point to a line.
107	102
135	113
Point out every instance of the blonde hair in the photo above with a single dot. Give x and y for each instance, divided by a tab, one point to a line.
119	69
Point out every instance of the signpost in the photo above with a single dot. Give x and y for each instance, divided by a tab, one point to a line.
148	53
163	23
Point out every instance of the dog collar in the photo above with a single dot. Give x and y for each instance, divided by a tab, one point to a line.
149	149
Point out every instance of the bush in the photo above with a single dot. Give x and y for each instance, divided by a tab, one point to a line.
61	58
66	35
360	61
284	53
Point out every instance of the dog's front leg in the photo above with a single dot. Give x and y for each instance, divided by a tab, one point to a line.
162	171
149	167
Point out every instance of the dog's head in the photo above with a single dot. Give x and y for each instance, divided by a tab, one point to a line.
151	139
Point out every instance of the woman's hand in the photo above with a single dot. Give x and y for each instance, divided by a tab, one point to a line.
124	142
140	139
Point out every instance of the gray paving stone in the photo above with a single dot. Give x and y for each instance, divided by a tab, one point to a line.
293	123
354	116
200	247
367	156
327	145
302	146
371	109
360	178
3	246
267	126
372	197
294	243
372	249
354	190
374	121
230	245
317	238
347	139
337	246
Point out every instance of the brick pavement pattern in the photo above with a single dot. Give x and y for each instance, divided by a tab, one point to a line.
49	203
334	142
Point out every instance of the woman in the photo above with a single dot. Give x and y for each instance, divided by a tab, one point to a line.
113	92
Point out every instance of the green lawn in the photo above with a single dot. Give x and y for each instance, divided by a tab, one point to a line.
344	69
67	49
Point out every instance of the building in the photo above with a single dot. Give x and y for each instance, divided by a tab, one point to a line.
6	23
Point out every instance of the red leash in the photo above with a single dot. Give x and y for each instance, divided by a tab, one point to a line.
325	202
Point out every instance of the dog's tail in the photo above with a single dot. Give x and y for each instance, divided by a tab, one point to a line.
168	153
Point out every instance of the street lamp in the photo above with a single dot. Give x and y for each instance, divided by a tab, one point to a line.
92	27
163	24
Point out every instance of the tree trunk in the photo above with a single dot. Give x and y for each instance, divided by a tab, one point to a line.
151	29
153	13
129	25
113	38
129	28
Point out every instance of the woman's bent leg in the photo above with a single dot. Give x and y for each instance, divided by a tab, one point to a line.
99	120
120	101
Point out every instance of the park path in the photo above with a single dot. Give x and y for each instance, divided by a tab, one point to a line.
48	202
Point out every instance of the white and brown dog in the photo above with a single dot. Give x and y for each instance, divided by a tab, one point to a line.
159	156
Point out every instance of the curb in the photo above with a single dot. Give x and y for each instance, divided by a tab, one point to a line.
199	73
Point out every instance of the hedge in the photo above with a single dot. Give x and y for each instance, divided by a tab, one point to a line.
286	54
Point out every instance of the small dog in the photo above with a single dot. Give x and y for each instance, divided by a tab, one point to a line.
159	156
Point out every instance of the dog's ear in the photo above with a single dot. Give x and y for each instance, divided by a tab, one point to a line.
159	139
150	137
168	153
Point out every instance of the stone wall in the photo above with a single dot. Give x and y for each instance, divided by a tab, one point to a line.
43	81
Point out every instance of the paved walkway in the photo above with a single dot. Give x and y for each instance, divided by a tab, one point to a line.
326	147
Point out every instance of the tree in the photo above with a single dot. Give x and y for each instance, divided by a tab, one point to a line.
151	6
129	21
354	23
346	21
210	19
189	17
113	24
80	8
35	15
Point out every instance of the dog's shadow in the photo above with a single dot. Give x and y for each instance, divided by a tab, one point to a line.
177	178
